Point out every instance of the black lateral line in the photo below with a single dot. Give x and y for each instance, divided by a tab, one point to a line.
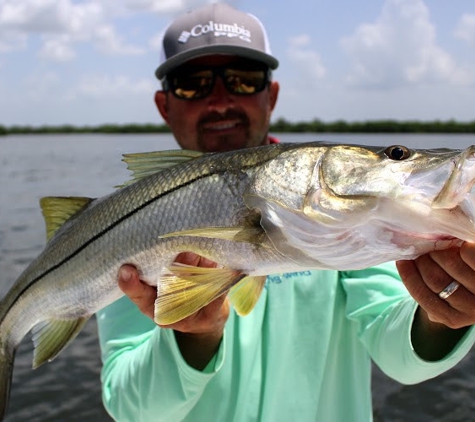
116	223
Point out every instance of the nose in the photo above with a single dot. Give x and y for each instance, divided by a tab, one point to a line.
219	99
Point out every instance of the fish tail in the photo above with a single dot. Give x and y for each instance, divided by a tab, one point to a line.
6	372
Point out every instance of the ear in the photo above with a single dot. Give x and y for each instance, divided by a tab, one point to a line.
161	103
273	94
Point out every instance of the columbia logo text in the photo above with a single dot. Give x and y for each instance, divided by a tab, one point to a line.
219	30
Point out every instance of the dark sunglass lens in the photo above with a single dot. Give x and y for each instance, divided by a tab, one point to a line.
192	85
245	82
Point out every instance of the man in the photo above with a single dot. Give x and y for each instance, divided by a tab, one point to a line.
304	352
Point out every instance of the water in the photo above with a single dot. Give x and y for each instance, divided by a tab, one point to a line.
68	389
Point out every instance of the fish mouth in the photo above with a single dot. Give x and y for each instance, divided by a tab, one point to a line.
457	190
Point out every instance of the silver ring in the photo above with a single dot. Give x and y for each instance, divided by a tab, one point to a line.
449	290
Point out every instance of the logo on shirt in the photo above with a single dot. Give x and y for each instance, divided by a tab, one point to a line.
219	30
281	278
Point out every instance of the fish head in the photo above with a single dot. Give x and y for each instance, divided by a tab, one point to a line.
350	206
353	184
359	179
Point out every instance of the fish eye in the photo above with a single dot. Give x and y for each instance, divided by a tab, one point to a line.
397	152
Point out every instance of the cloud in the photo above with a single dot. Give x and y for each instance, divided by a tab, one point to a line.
108	41
11	41
399	49
60	25
155	42
307	61
156	6
465	29
48	16
107	87
57	49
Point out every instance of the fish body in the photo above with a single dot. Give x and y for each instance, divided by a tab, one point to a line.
270	209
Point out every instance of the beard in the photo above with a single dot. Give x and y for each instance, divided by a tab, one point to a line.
233	134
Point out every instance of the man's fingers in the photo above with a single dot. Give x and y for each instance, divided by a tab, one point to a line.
207	320
140	293
144	296
194	260
425	279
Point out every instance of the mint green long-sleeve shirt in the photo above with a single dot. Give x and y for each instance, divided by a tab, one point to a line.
304	353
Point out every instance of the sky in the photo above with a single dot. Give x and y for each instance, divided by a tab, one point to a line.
92	62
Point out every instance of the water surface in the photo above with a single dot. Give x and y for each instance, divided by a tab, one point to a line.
68	389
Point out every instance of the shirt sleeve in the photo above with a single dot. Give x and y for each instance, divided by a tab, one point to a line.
143	368
383	310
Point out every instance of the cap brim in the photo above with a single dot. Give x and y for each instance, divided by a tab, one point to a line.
244	52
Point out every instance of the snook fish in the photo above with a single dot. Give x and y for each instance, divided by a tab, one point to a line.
270	209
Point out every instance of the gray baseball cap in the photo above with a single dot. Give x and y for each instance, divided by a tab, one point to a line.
214	29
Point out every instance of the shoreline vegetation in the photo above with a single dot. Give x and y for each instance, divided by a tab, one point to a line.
280	125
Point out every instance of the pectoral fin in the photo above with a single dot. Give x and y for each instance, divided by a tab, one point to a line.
188	289
251	234
53	336
244	295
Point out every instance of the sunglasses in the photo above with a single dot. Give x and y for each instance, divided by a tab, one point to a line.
194	83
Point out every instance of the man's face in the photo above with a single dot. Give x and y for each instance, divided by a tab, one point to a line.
221	121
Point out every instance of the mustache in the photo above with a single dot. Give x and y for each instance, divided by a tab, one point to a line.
216	117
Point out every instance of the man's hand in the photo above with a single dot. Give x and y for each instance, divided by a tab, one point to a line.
440	323
199	335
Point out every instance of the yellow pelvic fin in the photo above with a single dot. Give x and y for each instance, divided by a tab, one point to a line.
57	210
252	234
53	336
144	164
244	295
188	289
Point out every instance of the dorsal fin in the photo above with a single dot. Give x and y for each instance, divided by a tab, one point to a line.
143	164
57	210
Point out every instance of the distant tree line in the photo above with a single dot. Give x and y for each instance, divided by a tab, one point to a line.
374	126
67	129
281	125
